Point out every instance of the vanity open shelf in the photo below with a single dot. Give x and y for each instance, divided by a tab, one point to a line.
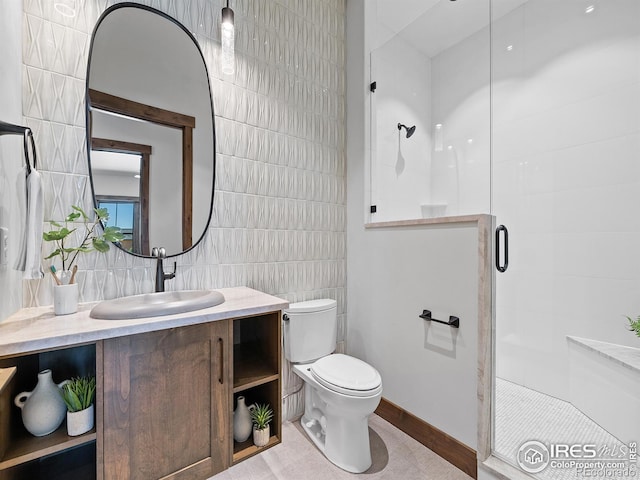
256	351
26	447
246	449
22	455
256	373
251	371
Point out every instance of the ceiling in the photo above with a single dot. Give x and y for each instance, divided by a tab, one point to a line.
432	26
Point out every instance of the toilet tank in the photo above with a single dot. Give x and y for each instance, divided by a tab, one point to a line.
310	330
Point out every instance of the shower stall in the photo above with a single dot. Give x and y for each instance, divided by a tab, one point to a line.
430	65
529	110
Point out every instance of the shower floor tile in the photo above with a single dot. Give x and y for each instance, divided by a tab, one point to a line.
522	414
396	456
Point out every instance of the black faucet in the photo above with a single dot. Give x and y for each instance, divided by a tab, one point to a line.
161	276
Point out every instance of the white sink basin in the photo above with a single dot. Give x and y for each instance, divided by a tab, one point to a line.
156	304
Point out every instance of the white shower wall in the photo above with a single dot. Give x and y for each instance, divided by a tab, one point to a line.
460	173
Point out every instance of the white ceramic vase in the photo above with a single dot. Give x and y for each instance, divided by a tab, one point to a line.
43	409
80	422
242	421
261	437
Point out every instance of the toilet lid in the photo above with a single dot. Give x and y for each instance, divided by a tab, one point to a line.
348	375
311	306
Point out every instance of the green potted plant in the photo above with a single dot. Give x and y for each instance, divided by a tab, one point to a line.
65	290
634	325
78	395
261	416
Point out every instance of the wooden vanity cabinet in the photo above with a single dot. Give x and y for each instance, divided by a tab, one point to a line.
165	408
164	402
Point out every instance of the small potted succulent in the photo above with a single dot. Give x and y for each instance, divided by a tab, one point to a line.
261	416
78	394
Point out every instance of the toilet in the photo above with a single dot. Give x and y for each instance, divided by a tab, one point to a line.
340	391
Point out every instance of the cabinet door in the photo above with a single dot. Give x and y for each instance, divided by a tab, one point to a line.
166	404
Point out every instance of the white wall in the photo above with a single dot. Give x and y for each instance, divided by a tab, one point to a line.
428	369
566	138
11	156
116	185
396	273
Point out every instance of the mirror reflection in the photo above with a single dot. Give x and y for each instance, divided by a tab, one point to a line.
150	129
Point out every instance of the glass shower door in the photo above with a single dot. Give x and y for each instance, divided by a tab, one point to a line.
565	181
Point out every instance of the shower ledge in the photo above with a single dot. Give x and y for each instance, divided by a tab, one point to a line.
603	384
628	357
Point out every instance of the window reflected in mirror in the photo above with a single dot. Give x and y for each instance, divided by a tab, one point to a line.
123	213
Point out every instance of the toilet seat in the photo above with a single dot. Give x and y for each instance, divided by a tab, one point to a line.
347	375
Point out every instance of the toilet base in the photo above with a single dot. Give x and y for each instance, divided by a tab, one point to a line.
338	425
349	446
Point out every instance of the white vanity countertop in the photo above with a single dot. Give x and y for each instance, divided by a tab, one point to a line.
32	329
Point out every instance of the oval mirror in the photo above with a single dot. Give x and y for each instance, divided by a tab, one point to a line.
150	129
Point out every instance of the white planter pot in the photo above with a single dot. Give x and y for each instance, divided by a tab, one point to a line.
261	437
80	422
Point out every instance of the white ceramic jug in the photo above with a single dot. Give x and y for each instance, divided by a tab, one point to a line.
242	425
43	409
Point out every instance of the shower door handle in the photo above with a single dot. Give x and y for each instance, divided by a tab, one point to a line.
502	267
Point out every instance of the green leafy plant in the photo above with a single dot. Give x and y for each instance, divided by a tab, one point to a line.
634	325
79	393
261	415
92	240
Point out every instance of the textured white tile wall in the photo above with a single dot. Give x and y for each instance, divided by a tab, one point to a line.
278	223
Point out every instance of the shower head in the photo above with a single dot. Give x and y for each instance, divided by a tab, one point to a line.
410	130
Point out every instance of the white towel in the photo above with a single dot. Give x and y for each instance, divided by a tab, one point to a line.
21	188
31	247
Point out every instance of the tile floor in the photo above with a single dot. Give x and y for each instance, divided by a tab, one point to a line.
396	456
523	414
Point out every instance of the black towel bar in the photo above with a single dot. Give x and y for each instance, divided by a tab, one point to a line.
453	321
10	129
